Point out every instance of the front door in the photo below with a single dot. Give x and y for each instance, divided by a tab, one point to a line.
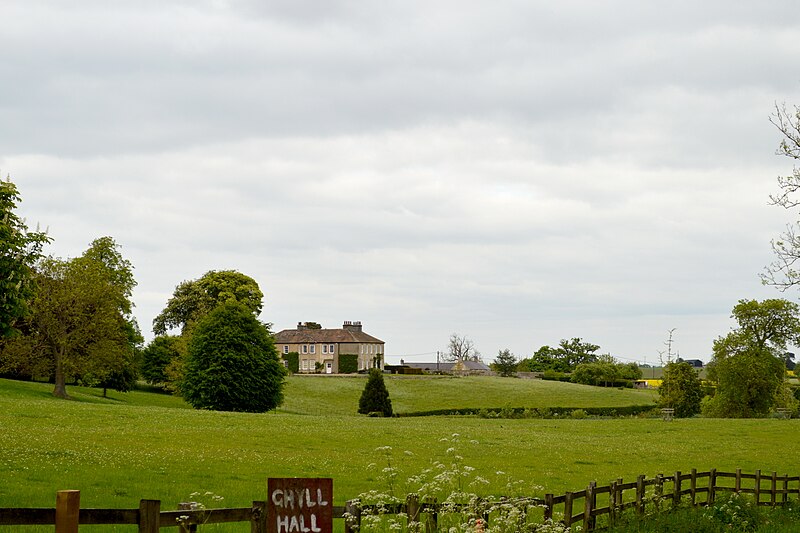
329	367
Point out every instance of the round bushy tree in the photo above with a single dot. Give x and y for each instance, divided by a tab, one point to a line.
375	398
232	363
681	389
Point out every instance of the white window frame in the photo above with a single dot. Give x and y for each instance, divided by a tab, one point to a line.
331	349
313	348
285	348
305	348
324	348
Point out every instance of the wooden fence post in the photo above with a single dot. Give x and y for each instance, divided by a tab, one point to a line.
785	498
258	520
613	504
548	506
68	508
658	491
693	486
412	509
432	519
712	487
640	494
149	516
676	489
737	485
774	489
190	528
588	509
568	509
758	487
352	521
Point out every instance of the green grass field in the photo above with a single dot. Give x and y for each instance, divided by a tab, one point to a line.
143	445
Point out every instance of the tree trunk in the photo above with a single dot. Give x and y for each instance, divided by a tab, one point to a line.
60	390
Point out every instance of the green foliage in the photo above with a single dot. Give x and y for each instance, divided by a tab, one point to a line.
747	383
119	271
606	372
730	513
348	363
771	323
194	299
505	363
20	249
158	355
681	389
77	328
375	398
748	364
293	362
564	358
232	363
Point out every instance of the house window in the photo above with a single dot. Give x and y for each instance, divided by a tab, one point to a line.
330	349
324	348
304	364
313	348
305	348
285	349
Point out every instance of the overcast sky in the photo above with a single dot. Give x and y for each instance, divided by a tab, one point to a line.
516	172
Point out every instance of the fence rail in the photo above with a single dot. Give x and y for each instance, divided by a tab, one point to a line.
571	508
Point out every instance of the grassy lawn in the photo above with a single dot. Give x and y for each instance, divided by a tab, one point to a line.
325	395
143	445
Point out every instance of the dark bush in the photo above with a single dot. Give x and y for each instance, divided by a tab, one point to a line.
348	363
375	398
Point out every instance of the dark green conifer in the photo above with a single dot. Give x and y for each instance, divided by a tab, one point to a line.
375	398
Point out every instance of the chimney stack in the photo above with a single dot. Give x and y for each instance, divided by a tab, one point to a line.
351	326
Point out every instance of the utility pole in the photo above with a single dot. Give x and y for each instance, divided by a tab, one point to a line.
437	361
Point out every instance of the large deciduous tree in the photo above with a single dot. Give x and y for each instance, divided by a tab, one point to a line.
748	363
232	363
20	249
80	325
194	299
565	358
783	272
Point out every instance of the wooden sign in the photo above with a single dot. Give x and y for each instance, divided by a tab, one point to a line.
299	505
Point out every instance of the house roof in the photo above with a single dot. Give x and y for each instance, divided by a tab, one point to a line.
311	336
448	367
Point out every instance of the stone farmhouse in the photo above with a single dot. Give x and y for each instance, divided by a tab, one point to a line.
326	350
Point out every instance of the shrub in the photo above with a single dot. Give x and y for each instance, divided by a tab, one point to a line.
681	389
348	363
375	398
292	362
233	364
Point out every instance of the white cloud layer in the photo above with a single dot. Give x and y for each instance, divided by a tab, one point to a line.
519	173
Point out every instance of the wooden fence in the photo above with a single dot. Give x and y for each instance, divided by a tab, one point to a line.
582	507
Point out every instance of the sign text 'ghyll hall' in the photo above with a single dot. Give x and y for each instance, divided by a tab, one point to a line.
299	505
